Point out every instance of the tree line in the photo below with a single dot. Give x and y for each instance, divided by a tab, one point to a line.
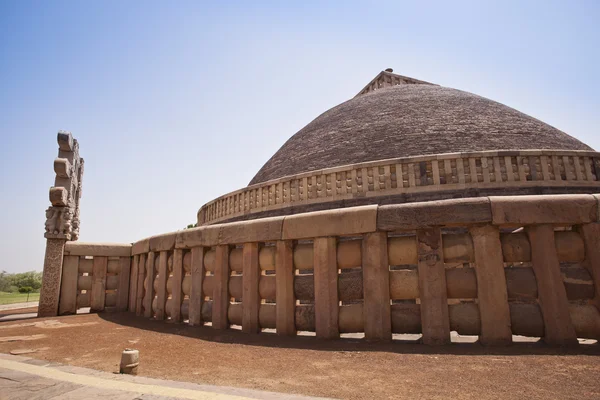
23	282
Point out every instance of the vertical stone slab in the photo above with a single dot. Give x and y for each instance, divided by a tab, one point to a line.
68	286
150	275
196	295
591	238
177	293
221	288
161	290
123	289
285	300
140	284
50	291
250	296
491	286
326	288
552	295
98	284
133	282
376	287
432	287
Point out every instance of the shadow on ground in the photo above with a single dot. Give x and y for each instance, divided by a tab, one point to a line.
266	339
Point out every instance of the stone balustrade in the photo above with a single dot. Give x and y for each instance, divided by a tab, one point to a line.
95	275
412	179
488	266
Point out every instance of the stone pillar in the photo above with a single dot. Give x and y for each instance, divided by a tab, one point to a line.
50	290
62	220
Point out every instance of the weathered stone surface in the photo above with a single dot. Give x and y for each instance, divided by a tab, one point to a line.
305	317
433	213
266	229
304	256
515	247
62	218
376	288
68	287
340	222
402	250
99	284
406	318
220	291
491	286
404	284
351	320
304	287
141	246
196	293
261	230
250	295
161	286
555	209
164	242
526	320
350	285
62	168
458	248
98	249
123	290
177	293
326	291
349	254
591	237
51	278
465	319
59	196
558	328
432	287
461	283
284	294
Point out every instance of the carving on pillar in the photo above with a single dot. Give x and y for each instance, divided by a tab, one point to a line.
51	278
62	220
62	217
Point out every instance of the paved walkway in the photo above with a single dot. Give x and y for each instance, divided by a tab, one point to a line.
27	378
15	306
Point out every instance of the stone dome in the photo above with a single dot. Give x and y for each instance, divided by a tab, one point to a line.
406	120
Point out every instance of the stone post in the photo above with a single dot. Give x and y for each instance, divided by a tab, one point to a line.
62	220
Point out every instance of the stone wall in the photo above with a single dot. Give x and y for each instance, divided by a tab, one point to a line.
490	266
411	180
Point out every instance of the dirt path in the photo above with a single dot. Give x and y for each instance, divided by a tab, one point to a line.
350	369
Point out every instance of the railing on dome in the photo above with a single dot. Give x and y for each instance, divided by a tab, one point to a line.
489	266
411	176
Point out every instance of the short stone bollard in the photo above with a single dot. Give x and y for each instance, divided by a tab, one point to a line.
130	360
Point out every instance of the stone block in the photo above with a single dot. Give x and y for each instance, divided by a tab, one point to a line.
98	249
339	222
164	242
62	167
351	319
453	212
260	230
194	237
284	292
566	209
141	246
377	323
65	141
59	196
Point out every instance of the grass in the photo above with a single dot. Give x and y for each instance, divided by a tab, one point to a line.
10	298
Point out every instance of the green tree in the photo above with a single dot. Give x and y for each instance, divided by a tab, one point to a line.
31	279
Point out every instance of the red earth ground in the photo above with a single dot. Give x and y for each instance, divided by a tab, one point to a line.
346	368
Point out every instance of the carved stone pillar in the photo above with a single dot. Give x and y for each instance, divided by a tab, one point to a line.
62	219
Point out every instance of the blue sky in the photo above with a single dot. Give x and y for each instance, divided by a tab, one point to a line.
176	103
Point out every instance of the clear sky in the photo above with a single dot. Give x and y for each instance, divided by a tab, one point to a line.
176	103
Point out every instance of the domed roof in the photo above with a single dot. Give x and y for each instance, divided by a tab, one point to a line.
410	120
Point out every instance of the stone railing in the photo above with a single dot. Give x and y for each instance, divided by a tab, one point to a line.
492	266
411	179
95	275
